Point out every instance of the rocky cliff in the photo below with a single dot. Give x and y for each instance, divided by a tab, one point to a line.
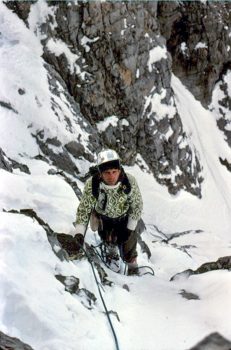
198	38
114	61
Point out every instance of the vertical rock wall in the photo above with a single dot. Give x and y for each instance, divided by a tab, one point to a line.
198	38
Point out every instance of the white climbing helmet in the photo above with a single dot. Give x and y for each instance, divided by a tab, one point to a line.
107	155
108	159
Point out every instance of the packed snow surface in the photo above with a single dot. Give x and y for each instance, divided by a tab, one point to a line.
152	312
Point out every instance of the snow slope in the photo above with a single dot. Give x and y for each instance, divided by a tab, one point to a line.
153	314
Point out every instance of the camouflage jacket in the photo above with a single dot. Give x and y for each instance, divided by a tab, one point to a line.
112	202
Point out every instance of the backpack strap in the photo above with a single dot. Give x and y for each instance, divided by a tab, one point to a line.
96	179
125	182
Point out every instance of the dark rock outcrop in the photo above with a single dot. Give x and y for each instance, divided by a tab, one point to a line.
71	284
22	8
197	35
61	155
198	38
223	263
189	295
214	341
221	103
9	164
70	245
225	163
7	105
58	155
10	343
4	162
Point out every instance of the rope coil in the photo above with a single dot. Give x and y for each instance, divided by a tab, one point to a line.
150	272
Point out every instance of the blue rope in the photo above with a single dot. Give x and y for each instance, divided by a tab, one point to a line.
102	299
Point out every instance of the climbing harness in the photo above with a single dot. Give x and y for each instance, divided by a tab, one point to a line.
103	258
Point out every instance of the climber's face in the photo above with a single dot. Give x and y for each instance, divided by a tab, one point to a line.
111	176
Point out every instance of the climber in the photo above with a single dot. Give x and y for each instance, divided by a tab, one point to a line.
112	203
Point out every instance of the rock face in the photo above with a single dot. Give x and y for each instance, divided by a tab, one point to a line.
10	343
198	39
124	70
221	104
214	341
223	263
10	164
114	60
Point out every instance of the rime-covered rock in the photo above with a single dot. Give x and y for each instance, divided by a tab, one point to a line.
221	106
122	76
113	63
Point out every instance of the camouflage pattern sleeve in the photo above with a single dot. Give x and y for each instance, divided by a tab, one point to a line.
85	207
136	204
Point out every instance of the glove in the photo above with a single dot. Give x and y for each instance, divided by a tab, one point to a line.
79	240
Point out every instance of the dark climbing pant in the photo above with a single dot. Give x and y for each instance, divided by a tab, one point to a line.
114	231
